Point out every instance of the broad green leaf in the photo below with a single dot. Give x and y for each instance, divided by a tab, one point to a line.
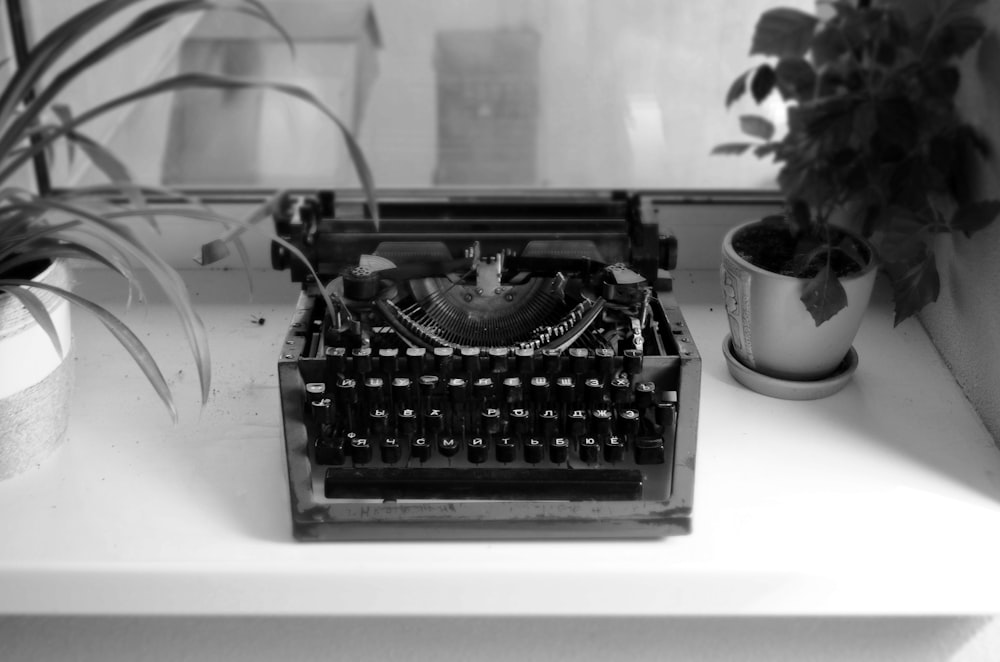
731	148
119	330
824	296
975	216
783	32
757	126
37	310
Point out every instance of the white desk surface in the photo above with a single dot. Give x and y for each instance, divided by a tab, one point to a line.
882	499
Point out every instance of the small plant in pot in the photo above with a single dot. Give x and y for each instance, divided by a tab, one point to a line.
40	233
874	167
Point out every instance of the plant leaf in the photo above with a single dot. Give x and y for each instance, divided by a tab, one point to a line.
731	148
783	32
122	333
914	285
737	89
824	296
762	83
757	126
975	216
37	309
795	78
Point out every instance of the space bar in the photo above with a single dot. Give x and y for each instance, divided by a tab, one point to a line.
491	484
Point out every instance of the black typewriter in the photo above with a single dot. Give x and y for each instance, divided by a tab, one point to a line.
486	366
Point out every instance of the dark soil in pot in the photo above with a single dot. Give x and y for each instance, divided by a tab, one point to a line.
773	248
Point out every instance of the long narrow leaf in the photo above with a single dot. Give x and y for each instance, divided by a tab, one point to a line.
168	280
210	81
125	336
37	309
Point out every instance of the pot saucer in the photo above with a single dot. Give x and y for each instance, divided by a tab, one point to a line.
788	389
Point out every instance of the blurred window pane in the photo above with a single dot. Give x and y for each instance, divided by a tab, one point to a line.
448	93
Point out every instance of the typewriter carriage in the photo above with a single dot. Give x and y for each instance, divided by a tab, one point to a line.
486	283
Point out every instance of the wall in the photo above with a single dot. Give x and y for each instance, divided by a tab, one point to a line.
965	322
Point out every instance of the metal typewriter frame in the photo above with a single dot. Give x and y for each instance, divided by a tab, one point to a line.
329	245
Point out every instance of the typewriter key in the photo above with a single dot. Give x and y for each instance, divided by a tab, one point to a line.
448	446
390	450
534	450
361	450
420	449
506	450
476	450
614	449
588	450
559	450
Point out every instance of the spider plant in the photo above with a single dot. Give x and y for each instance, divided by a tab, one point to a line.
37	227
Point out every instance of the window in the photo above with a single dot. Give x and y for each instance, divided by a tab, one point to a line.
441	93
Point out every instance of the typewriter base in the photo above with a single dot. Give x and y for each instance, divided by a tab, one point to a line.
316	518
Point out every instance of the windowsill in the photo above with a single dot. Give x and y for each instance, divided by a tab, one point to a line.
882	499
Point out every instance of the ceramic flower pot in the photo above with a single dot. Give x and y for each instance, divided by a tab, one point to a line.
772	332
35	380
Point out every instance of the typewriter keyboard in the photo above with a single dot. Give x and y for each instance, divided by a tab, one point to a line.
489	424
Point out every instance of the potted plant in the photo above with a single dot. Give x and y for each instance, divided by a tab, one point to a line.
40	232
873	167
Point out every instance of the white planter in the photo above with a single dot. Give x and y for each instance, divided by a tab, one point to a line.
772	332
35	381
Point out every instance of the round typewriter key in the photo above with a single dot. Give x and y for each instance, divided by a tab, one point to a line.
506	450
482	388
512	392
601	419
498	359
565	390
628	422
577	422
490	420
534	450
362	360
539	390
415	360
470	360
374	391
390	450
361	450
547	423
559	450
644	394
524	359
620	390
433	420
448	446
579	359
420	449
320	411
632	361
443	357
347	392
406	421
401	391
476	450
519	420
428	385
604	360
593	392
315	392
335	361
551	360
388	360
329	450
457	390
614	449
589	450
377	422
